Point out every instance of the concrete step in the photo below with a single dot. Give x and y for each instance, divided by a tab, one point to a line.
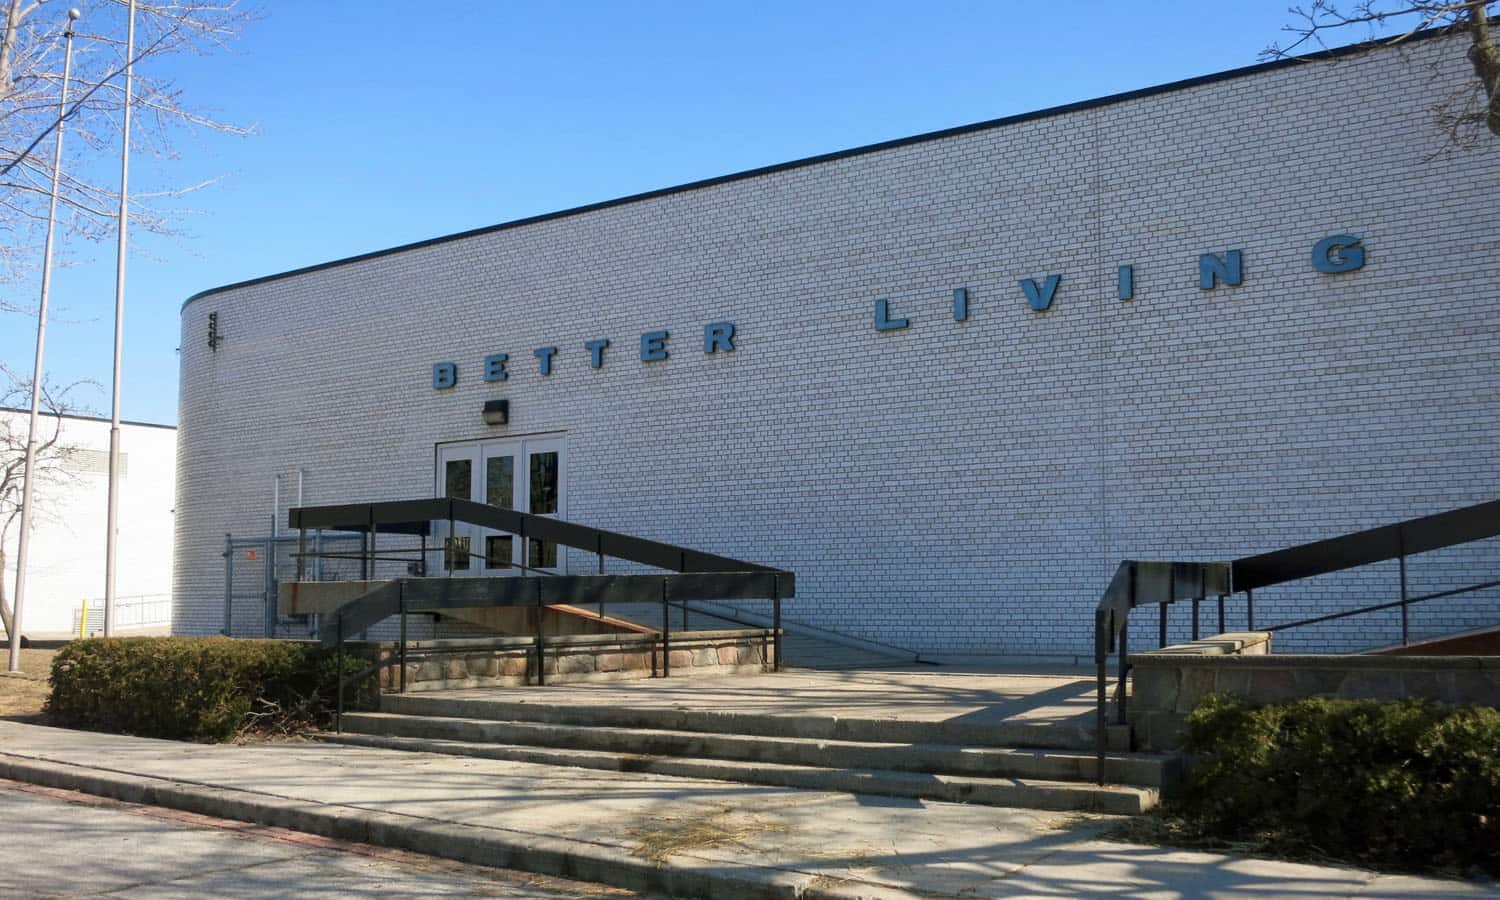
1007	733
988	762
1015	792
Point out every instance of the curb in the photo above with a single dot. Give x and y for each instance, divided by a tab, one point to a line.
474	845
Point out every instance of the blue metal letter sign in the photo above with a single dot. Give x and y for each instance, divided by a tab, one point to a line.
494	367
883	320
654	345
596	352
1339	253
718	336
1040	297
1212	269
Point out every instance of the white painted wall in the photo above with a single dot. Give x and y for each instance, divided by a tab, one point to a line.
67	544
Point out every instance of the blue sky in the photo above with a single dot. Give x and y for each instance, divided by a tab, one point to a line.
377	125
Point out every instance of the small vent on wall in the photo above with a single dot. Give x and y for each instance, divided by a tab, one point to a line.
92	462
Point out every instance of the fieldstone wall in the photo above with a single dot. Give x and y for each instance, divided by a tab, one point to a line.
1169	683
512	661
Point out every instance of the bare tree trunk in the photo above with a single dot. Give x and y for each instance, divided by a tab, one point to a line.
1486	59
7	54
4	603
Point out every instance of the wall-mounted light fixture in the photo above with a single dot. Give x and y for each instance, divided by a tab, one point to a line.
497	412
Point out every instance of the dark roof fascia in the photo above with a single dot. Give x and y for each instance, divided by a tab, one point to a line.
1107	100
83	418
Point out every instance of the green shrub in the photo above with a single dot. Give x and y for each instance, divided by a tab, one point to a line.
201	689
1411	783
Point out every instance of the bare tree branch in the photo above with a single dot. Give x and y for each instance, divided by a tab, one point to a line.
1467	112
50	467
31	56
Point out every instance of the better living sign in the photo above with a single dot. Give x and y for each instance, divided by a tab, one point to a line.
1334	254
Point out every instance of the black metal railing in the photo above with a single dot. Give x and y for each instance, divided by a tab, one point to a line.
1138	583
687	574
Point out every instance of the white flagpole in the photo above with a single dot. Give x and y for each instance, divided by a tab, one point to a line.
112	520
41	347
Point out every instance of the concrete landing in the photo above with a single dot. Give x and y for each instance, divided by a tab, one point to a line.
920	694
801	645
683	837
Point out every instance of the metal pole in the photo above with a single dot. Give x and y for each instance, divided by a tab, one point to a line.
1124	670
1101	663
666	633
1405	622
1249	609
1221	614
402	651
338	711
541	641
112	519
1202	592
27	481
1125	650
448	550
268	588
776	623
228	584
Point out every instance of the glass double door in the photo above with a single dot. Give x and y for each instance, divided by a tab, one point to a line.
523	474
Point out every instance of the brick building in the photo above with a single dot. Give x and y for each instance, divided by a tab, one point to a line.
950	380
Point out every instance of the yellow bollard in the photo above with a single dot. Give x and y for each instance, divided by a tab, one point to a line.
83	620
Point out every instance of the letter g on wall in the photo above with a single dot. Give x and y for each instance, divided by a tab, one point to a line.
1338	253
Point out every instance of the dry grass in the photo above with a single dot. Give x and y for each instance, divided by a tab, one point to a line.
670	835
22	696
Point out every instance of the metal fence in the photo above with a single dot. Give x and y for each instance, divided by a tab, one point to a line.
254	567
133	612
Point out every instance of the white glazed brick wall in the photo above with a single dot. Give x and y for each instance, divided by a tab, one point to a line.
957	488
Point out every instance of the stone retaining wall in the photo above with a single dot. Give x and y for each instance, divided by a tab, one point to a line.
1169	683
511	661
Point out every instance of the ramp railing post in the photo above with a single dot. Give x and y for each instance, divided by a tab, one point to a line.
338	710
1405	609
401	647
541	641
1101	662
1124	627
666	633
776	622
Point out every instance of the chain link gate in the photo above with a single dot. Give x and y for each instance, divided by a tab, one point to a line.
253	571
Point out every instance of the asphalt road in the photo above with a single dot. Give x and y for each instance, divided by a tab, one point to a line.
63	844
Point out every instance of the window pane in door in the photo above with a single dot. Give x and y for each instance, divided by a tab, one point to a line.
497	549
456	553
544	484
458	478
541	554
499	482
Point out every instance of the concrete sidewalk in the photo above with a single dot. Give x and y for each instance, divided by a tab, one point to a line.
676	836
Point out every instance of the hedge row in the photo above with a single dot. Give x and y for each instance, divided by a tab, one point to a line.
1409	783
200	689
